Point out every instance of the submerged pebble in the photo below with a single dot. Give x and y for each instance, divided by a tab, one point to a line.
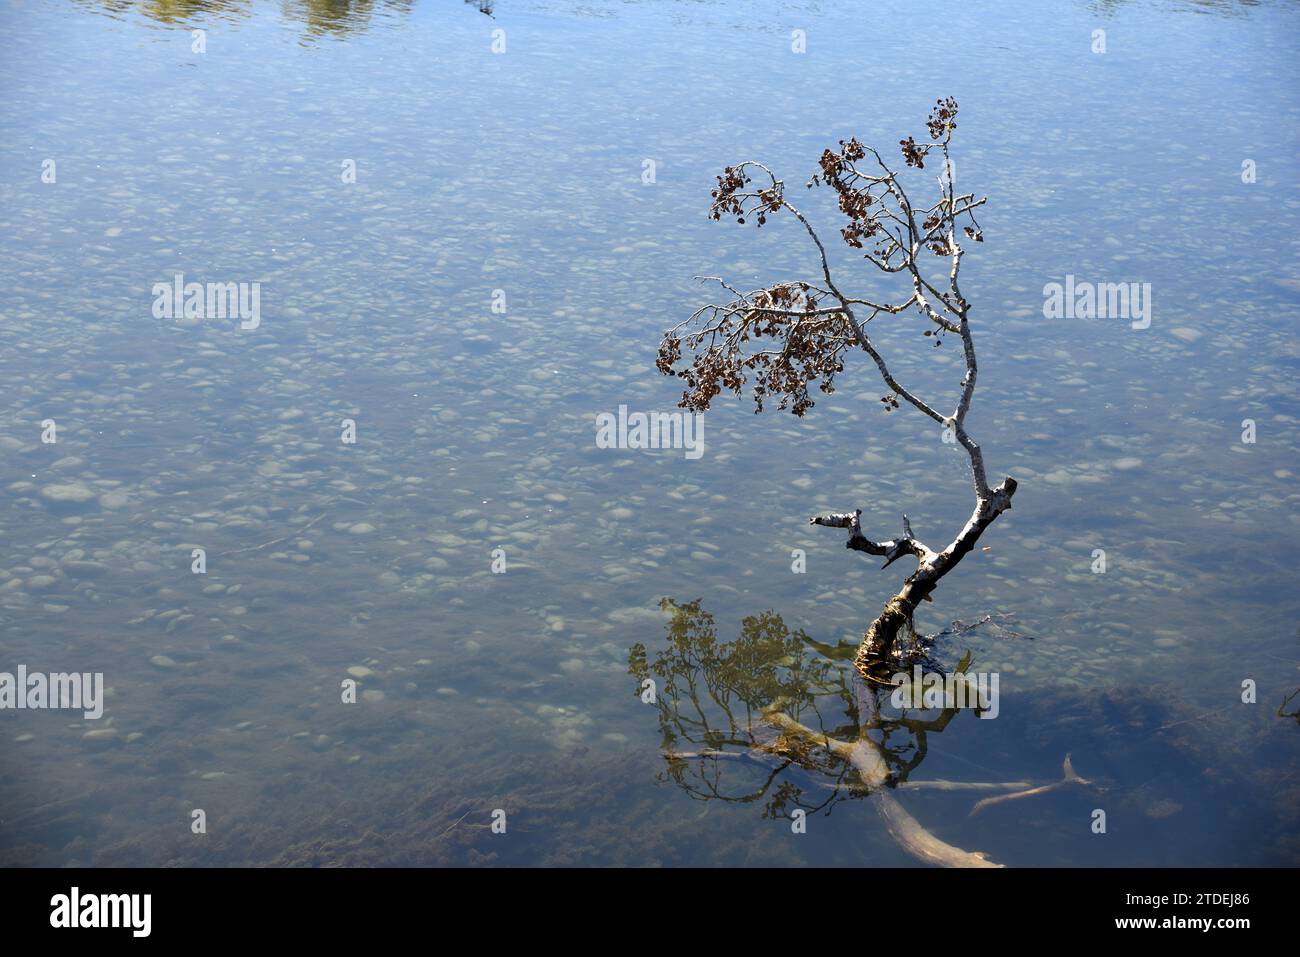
67	493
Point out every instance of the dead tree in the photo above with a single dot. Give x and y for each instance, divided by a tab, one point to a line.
812	324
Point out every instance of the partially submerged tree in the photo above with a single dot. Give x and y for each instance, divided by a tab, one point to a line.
812	324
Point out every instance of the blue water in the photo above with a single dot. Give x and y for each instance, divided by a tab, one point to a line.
517	176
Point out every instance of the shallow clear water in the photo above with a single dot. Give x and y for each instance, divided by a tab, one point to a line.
521	171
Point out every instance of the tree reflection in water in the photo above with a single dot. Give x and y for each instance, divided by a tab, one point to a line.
800	712
339	19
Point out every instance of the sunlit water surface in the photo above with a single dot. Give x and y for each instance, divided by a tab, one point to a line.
522	171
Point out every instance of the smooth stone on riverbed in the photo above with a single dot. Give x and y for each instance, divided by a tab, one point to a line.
85	569
360	671
67	493
162	661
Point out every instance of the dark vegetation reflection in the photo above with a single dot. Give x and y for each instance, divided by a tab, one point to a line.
812	730
173	12
344	18
1224	7
319	18
1283	713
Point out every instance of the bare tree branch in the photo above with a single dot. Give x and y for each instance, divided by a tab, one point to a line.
814	325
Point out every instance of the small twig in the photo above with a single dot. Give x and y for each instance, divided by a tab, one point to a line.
1174	724
455	824
1070	777
274	541
962	785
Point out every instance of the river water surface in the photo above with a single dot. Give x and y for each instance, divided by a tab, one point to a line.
526	216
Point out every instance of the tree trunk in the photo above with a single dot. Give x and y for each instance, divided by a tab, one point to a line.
892	634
